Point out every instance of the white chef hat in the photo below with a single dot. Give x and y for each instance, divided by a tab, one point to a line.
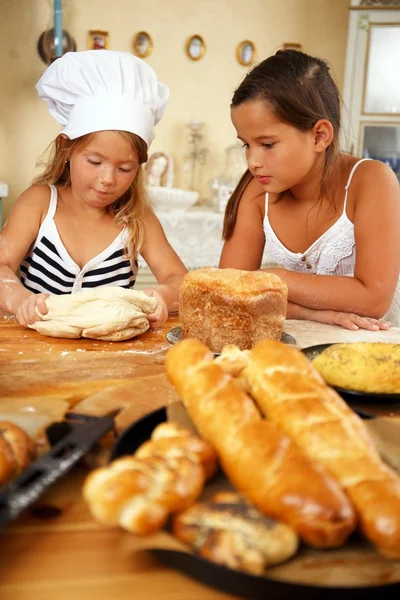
97	90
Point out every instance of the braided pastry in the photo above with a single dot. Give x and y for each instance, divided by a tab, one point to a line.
165	475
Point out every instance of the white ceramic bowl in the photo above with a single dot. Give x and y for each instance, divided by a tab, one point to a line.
166	199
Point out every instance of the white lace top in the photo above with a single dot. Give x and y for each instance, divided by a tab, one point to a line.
334	253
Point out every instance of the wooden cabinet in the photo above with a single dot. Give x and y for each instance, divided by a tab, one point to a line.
371	112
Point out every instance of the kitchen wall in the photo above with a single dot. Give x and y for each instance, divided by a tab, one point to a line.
202	89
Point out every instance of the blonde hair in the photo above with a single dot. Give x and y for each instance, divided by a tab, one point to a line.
129	210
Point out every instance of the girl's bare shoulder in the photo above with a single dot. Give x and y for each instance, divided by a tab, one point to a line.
372	177
366	172
36	196
32	205
253	190
254	194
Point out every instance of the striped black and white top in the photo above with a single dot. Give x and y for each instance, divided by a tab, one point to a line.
48	267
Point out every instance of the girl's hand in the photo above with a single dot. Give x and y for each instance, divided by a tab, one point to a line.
26	312
332	317
160	315
349	320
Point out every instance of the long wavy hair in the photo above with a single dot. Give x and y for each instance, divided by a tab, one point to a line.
299	89
129	210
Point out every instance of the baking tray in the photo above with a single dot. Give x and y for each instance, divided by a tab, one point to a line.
69	441
231	581
175	335
353	395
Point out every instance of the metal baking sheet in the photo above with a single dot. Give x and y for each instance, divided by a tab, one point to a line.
175	335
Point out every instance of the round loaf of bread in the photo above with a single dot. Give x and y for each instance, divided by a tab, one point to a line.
228	306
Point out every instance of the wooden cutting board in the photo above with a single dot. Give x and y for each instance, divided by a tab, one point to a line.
37	366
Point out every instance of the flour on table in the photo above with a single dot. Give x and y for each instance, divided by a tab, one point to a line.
106	313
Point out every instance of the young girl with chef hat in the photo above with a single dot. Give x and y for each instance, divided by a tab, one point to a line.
84	221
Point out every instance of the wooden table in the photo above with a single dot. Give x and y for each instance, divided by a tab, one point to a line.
56	551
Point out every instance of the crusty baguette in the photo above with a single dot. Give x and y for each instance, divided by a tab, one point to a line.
293	395
261	461
166	475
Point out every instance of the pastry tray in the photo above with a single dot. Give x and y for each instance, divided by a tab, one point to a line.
69	441
351	396
232	581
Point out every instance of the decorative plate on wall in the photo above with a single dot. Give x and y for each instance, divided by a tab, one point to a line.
142	44
246	53
195	47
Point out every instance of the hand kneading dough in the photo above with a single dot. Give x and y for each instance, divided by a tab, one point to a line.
106	313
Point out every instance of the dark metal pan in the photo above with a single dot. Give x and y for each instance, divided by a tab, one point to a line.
175	335
235	582
353	395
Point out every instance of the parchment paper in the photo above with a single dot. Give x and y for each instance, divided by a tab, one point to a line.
356	564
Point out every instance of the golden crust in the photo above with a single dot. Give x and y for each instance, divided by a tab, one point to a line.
17	451
228	306
234	282
261	461
166	475
293	395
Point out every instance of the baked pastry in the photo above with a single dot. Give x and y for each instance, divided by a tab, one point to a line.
294	396
261	461
363	366
229	531
165	475
172	440
228	306
232	360
17	451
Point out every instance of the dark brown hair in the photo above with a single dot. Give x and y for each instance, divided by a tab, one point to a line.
299	89
129	210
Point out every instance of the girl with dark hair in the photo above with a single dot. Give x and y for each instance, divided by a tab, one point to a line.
330	219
